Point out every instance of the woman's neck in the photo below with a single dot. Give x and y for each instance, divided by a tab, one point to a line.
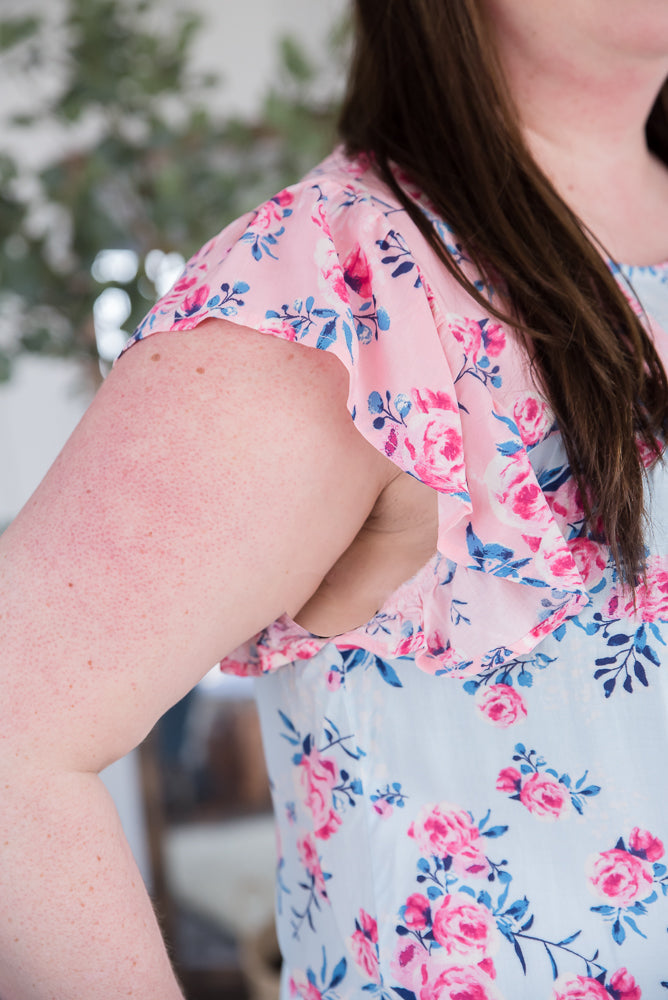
583	99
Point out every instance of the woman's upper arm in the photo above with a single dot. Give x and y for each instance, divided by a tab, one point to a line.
211	484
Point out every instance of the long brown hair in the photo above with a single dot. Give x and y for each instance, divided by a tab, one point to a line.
426	93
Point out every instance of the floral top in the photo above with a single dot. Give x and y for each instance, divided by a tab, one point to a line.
470	788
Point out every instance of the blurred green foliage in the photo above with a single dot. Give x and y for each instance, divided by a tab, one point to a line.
162	172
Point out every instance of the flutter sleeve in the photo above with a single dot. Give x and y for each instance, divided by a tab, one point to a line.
330	263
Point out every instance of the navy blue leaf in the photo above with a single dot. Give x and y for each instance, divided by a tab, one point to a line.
306	745
609	686
518	952
618	932
286	721
327	335
518	909
494	831
338	974
618	640
650	655
569	940
605	911
403	268
403	993
628	684
401	930
388	673
375	402
527	925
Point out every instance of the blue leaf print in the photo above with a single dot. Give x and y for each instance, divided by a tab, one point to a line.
338	974
388	673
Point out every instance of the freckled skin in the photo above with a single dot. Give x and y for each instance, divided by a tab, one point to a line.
157	509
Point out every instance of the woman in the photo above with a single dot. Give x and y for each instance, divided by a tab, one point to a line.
467	778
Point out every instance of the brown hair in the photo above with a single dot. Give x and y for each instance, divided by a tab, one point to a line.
426	93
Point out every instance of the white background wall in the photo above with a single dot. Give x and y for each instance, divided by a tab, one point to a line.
43	402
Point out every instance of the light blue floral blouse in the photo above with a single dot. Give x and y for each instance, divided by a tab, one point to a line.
471	789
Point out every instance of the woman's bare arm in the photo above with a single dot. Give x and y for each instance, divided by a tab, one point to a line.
212	483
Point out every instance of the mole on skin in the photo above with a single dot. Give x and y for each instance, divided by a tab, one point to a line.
155	357
200	371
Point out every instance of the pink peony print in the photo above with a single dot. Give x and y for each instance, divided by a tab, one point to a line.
509	780
465	930
308	856
572	987
439	460
318	776
456	983
417	912
515	493
410	963
623	986
646	844
494	338
545	797
618	877
334	678
302	988
364	945
357	273
444	830
193	302
590	559
532	417
271	214
467	333
651	596
501	704
426	400
383	807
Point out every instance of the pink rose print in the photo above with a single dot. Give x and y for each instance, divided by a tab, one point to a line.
441	461
651	596
509	780
618	877
533	419
364	945
514	489
467	333
545	797
318	776
501	704
465	930
426	400
623	986
494	339
469	983
409	964
571	987
356	272
590	559
446	831
643	843
302	988
193	303
541	789
271	213
308	856
417	912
